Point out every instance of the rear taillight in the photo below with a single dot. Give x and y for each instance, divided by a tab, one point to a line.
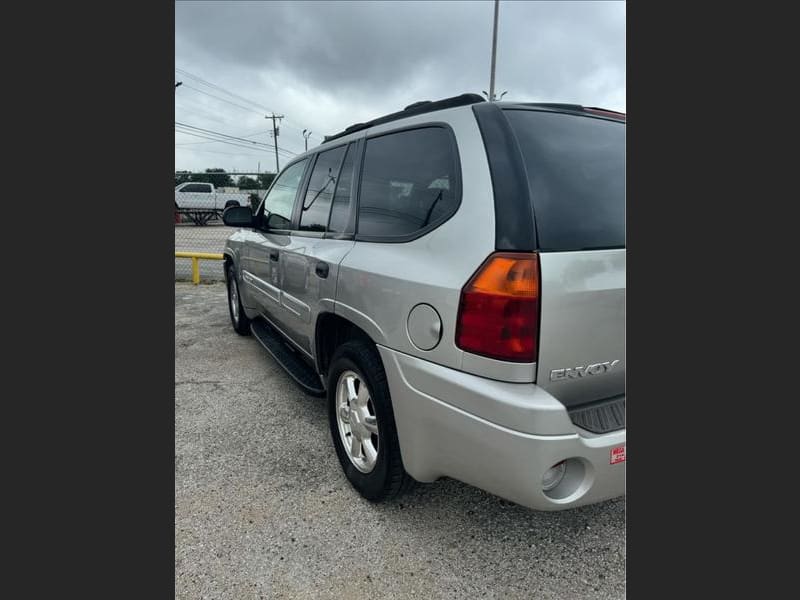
498	316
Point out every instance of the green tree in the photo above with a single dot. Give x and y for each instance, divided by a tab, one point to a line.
247	183
181	177
265	180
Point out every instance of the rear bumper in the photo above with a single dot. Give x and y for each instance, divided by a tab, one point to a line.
518	433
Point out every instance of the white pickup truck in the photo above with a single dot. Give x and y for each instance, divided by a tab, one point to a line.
201	202
203	196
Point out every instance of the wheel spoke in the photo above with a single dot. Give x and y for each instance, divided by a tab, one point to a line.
371	423
351	389
355	446
344	413
369	451
363	395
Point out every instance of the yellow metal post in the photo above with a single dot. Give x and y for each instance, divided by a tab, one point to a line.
196	256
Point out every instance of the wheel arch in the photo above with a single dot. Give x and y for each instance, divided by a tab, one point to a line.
227	260
331	331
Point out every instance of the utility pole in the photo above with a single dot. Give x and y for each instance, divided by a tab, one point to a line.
275	132
494	50
306	136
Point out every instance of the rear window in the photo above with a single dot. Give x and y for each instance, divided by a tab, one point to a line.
576	174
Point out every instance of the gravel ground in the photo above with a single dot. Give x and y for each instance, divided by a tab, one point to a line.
262	509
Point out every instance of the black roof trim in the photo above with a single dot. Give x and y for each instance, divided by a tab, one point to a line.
556	105
417	108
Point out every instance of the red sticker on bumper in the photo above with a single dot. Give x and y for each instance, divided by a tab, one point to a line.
617	455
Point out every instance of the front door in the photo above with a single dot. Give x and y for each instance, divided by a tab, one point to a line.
261	271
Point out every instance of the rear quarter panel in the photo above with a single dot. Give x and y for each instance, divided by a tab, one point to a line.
379	283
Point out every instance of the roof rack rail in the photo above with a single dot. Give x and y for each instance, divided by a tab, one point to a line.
579	108
417	108
554	105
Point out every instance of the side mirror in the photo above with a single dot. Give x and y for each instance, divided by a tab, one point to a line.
276	221
238	216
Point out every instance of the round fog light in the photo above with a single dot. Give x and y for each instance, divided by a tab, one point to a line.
553	476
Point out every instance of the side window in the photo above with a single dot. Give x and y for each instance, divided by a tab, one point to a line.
194	188
341	199
317	204
408	182
279	202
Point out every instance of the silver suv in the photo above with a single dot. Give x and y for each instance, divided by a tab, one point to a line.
451	277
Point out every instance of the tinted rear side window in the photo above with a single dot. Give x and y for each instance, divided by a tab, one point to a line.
576	173
317	205
408	183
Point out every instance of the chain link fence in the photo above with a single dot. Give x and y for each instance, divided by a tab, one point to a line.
200	199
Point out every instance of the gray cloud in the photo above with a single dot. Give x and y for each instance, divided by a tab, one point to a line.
326	65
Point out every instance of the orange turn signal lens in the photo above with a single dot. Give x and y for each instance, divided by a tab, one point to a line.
509	275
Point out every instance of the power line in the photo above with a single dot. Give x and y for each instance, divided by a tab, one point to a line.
225	135
233	95
215	86
253	146
254	143
244	135
213	117
222	99
285	153
226	153
205	137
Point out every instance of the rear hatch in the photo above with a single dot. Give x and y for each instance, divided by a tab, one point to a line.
575	166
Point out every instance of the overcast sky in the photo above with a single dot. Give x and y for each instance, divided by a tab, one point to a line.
327	65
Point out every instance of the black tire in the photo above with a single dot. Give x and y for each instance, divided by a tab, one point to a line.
388	478
230	203
240	322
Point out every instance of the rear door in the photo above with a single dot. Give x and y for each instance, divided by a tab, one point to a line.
318	243
576	175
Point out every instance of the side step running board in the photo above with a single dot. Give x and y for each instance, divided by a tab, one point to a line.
295	366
